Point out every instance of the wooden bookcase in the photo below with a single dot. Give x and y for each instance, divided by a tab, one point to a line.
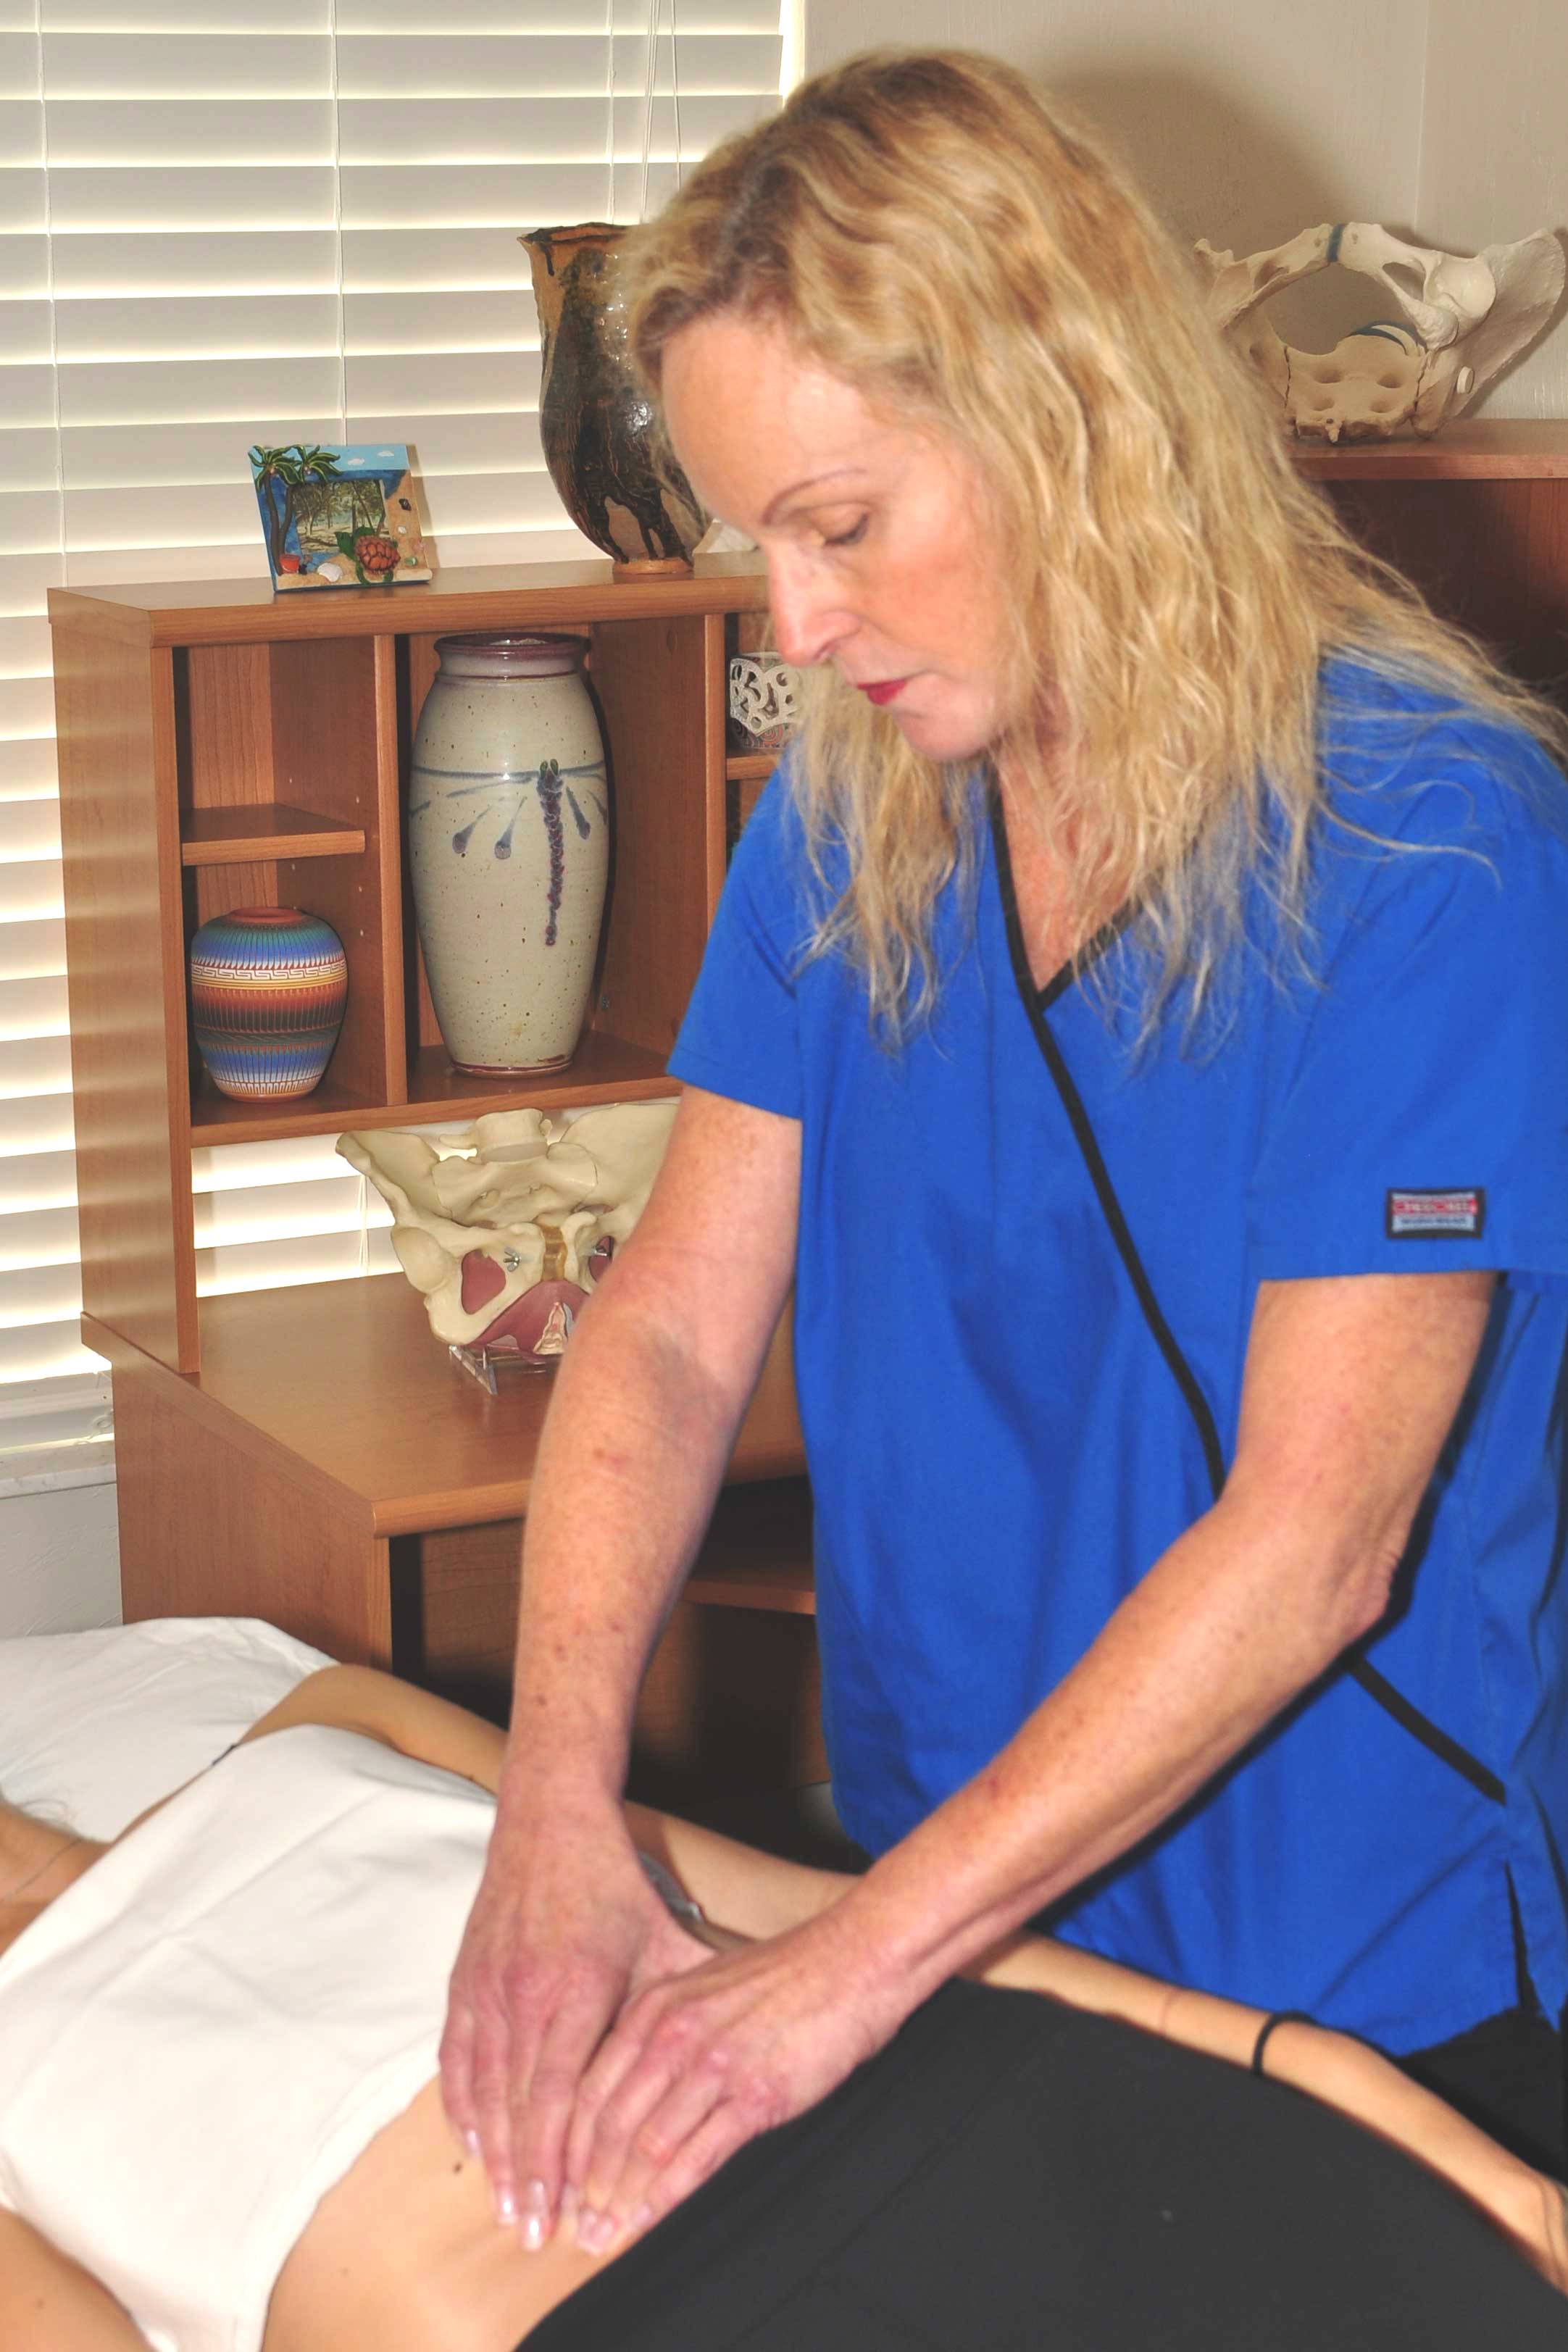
310	1454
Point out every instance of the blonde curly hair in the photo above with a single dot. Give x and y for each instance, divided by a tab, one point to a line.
922	225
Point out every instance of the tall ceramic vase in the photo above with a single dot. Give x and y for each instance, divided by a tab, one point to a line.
509	829
602	443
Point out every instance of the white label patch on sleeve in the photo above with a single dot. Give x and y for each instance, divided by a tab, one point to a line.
1458	1213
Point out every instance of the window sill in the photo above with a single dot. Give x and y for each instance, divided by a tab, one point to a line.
58	1436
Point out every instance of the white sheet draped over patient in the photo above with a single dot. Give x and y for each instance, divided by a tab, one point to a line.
200	2036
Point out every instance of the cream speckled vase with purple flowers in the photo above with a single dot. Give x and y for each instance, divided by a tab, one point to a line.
508	838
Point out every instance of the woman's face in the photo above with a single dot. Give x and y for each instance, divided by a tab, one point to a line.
875	538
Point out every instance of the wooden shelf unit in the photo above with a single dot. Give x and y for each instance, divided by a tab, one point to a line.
221	745
312	1455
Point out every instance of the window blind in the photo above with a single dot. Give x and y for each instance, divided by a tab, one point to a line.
230	221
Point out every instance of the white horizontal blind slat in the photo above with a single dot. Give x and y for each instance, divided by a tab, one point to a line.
31	1068
31	891
34	1353
24	647
35	1239
33	1007
36	1179
33	949
228	221
45	1293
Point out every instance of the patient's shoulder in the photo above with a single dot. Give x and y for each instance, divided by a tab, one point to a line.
381	1706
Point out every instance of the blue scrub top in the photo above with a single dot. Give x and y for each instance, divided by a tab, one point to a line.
1027	1261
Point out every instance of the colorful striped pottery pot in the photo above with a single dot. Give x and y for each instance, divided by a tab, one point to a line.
267	989
508	845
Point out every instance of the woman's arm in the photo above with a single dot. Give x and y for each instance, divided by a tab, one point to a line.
50	2304
646	1403
1350	1388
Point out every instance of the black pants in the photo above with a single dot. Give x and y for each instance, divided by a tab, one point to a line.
1507	2075
1010	2175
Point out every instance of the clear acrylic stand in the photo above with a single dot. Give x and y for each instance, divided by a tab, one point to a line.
487	1365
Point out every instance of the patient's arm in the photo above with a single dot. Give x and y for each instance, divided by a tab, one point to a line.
758	1897
359	1698
1333	2067
755	1894
48	2304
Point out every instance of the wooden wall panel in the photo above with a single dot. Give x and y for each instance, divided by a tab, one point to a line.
715	731
251	1536
223	709
649	681
1492	555
118	828
328	727
730	1709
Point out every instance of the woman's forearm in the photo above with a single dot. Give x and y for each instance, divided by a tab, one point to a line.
1351	1387
631	1456
648	1400
1224	1631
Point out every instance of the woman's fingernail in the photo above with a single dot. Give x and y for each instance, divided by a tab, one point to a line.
472	2142
640	2219
597	2232
570	2200
505	2208
535	2216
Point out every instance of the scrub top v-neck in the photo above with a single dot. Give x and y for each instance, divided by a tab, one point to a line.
1027	1261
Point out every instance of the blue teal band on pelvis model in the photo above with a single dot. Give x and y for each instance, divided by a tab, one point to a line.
1386	332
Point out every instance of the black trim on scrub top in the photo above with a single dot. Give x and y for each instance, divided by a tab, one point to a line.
1036	1001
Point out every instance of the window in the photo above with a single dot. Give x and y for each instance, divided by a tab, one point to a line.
274	220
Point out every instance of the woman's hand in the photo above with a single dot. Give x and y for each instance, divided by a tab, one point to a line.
564	1931
696	2065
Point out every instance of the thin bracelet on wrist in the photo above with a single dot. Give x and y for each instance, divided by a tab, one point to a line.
1279	2017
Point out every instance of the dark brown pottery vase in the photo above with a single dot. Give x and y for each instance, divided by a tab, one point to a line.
616	476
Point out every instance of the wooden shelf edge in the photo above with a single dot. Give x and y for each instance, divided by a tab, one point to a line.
783	1590
480	596
750	767
426	1449
259	832
606	1070
1496	448
128	1360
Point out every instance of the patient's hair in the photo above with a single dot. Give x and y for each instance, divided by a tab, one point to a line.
924	226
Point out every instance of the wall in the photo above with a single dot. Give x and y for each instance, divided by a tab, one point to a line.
1249	119
60	1547
1494	155
60	1555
